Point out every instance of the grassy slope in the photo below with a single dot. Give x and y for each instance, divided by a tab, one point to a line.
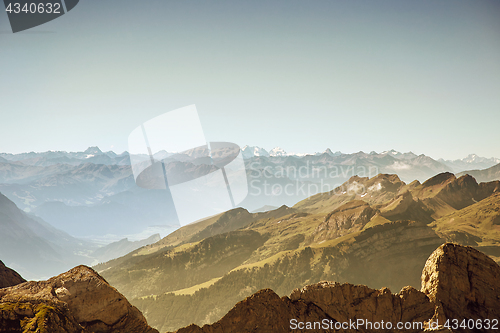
478	224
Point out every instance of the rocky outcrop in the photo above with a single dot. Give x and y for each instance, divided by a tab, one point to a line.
463	283
9	277
458	282
79	300
346	301
264	311
330	301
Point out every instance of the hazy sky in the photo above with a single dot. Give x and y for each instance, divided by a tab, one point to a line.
304	75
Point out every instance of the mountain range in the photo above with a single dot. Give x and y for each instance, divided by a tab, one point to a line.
94	155
90	198
196	274
93	193
472	161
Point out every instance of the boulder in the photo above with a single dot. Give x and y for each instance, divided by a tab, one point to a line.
79	300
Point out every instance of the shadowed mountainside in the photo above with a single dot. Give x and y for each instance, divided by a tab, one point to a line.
485	175
122	247
33	247
9	277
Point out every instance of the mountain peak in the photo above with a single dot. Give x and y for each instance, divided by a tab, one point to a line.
277	151
329	152
252	151
93	150
441	178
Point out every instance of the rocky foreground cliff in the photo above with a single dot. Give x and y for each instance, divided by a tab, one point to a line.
458	282
78	301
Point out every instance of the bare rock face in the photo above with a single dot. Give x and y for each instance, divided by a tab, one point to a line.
9	277
348	218
264	311
79	300
458	282
463	283
325	301
345	302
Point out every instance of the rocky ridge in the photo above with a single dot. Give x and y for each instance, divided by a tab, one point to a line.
458	282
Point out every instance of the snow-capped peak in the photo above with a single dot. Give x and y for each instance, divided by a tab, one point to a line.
277	151
391	152
251	151
471	158
93	150
330	152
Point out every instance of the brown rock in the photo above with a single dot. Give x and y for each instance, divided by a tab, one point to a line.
9	277
263	312
79	300
463	282
344	302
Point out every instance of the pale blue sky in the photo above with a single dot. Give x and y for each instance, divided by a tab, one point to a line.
304	75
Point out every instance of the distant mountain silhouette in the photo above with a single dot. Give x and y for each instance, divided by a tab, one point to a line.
91	192
33	247
486	175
